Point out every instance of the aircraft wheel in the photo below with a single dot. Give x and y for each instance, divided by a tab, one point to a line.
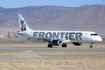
50	45
91	46
64	45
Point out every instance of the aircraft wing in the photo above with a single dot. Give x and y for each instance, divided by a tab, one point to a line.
41	38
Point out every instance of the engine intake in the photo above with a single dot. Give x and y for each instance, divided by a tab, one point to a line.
57	42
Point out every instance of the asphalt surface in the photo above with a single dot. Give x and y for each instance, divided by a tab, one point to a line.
54	49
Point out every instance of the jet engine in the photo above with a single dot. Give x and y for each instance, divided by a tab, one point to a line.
57	42
78	43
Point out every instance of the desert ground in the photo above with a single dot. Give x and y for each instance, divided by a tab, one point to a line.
50	60
80	63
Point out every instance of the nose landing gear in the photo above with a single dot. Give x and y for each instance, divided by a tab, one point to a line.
91	45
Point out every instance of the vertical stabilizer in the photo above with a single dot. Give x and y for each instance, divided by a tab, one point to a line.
22	24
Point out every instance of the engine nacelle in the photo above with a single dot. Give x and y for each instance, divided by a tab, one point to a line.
78	43
57	42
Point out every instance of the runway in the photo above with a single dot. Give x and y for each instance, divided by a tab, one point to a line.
42	47
84	51
54	49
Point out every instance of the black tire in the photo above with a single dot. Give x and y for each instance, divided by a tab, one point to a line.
91	46
64	45
50	45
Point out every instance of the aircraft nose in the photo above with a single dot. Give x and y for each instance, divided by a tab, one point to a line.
99	39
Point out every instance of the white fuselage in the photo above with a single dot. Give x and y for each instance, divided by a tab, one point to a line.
65	36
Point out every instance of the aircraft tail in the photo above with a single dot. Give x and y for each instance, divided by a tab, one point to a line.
22	24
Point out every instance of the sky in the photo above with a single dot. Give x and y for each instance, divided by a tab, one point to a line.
66	3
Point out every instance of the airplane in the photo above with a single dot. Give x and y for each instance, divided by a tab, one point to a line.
57	38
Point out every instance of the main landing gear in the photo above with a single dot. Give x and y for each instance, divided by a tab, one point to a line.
91	45
50	45
63	45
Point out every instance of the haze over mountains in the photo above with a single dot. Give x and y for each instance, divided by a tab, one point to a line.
87	17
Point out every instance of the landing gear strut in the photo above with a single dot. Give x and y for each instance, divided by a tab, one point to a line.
91	45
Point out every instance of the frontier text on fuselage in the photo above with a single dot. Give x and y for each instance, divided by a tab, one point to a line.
59	35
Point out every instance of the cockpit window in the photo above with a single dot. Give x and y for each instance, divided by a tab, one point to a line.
94	34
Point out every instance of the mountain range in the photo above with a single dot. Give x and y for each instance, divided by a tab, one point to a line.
85	18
